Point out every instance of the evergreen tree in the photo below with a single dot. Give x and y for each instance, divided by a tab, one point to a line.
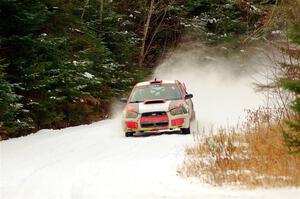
11	112
223	20
65	60
292	81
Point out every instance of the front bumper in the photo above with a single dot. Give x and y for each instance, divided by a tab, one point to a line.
169	123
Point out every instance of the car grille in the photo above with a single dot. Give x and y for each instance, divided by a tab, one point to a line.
153	114
154	120
154	124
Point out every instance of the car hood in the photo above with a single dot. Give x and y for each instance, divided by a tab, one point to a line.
165	106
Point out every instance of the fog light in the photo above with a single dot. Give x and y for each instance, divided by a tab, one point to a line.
177	122
132	125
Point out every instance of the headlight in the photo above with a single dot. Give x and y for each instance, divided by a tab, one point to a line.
130	114
178	111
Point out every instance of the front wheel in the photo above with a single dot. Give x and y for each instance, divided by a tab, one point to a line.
129	134
186	131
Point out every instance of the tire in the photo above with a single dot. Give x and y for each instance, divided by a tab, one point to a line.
128	134
186	131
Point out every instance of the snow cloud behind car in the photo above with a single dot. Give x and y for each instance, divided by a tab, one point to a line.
223	88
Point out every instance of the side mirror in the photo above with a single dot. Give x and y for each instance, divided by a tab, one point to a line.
188	96
123	99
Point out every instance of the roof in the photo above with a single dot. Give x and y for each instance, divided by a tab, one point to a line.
148	82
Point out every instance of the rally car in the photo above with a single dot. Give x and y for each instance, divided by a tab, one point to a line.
156	106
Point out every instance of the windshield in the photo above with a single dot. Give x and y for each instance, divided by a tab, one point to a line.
155	91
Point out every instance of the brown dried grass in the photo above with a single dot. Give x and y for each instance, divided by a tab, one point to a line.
256	157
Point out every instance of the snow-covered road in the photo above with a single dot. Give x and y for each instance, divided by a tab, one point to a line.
96	161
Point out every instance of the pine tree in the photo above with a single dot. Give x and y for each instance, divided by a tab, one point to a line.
11	111
224	20
292	81
65	61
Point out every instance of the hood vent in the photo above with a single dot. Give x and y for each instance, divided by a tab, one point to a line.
156	101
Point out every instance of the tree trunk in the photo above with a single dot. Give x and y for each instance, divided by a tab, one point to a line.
101	10
83	12
146	28
157	29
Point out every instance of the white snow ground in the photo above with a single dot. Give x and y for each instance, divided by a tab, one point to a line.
97	162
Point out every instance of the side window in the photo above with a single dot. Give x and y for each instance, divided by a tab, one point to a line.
182	88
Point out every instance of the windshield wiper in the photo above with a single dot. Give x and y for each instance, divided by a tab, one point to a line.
174	99
136	101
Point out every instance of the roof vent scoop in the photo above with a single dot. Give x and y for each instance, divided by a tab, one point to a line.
155	81
156	101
